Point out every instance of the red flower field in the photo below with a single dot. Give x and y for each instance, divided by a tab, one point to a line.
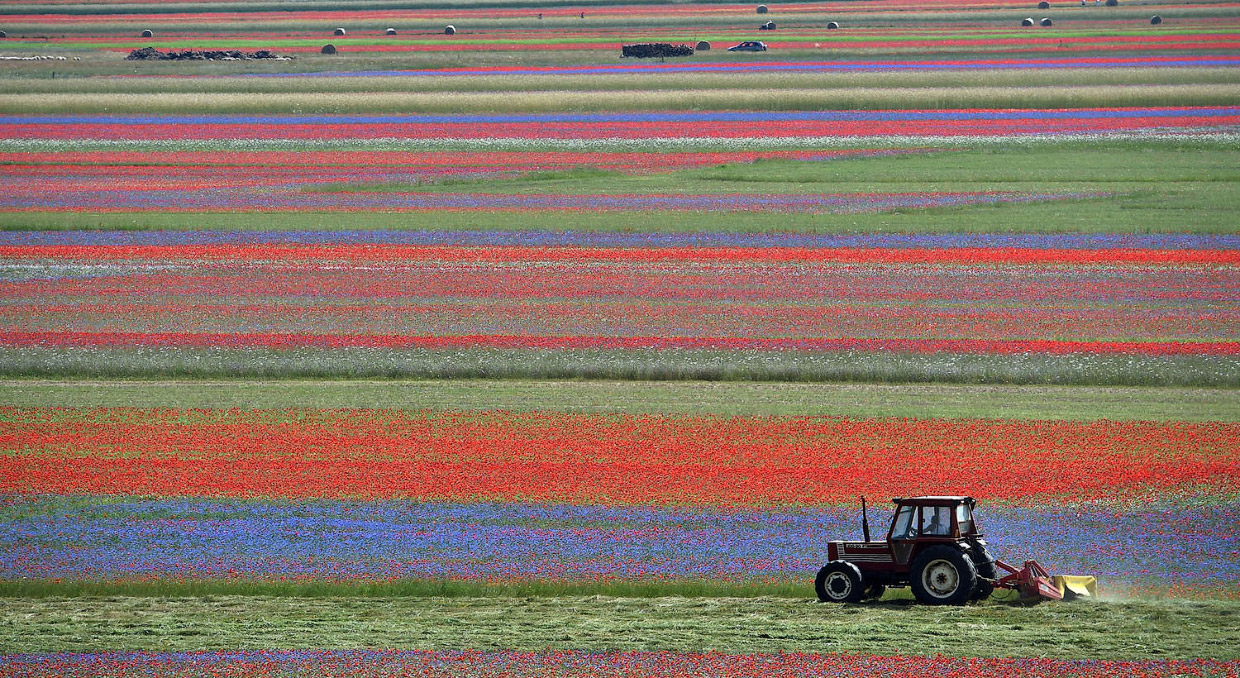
602	459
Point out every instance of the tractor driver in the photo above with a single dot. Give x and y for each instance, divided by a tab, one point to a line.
940	521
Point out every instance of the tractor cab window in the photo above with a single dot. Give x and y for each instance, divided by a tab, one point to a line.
905	527
936	521
964	518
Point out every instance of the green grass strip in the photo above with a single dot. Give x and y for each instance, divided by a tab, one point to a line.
725	399
892	626
1155	185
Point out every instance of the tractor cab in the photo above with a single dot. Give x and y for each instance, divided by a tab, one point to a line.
942	517
930	520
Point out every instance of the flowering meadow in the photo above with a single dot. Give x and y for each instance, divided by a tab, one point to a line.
393	541
115	495
723	124
581	458
1164	304
935	199
173	178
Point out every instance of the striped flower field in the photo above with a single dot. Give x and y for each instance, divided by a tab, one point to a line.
1162	306
723	124
381	496
174	178
598	29
580	458
236	293
239	542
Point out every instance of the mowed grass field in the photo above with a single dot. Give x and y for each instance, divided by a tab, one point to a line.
1166	629
187	249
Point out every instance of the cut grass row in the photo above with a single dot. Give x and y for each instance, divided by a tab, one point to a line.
760	99
620	364
636	397
1089	630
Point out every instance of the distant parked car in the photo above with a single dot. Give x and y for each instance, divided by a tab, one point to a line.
749	46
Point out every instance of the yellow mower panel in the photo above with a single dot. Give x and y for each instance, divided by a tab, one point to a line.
1073	586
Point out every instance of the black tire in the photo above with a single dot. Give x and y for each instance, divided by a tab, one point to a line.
982	590
943	575
986	570
839	582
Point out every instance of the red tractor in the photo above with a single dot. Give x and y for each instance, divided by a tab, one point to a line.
934	546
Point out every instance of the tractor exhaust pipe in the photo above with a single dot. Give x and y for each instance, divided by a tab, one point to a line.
865	520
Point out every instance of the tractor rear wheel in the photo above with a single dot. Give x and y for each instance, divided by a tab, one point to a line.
986	572
983	590
839	581
943	575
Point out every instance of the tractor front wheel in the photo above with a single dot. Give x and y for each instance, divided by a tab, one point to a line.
839	581
942	575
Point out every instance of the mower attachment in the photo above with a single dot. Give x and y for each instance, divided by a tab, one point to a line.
1032	582
1076	586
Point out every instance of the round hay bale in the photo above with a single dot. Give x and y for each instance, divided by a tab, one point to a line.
833	25
702	46
1111	3
148	34
390	31
328	49
762	9
770	25
1155	20
1044	5
449	30
339	31
1046	21
3	34
1026	22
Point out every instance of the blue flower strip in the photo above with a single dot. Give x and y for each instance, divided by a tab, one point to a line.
80	538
